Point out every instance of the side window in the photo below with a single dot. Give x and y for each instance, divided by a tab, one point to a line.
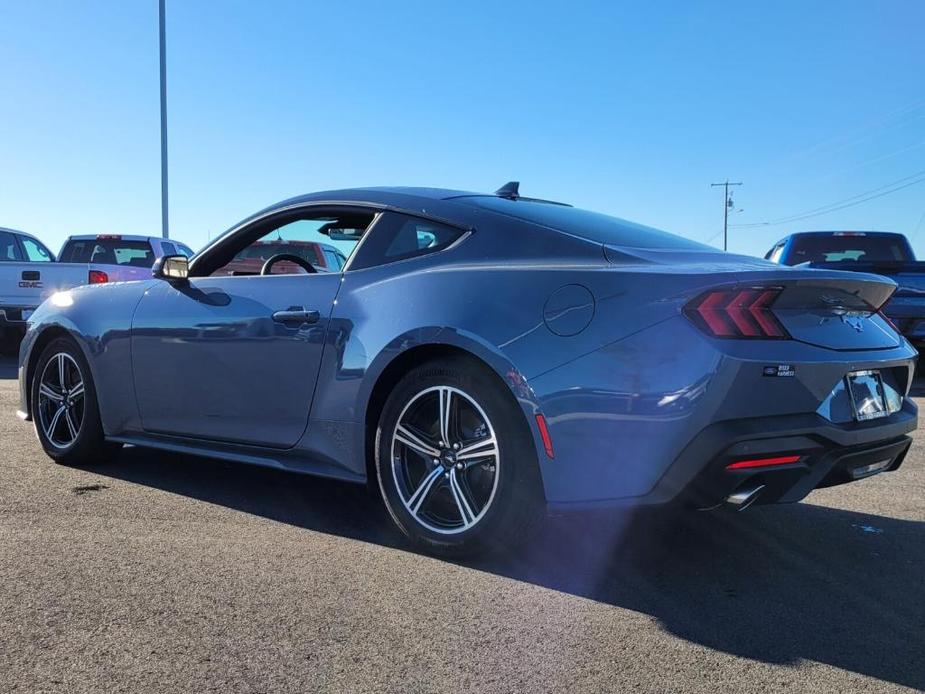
35	252
168	248
398	237
9	248
307	237
774	254
184	251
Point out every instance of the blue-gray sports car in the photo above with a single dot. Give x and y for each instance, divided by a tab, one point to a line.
482	358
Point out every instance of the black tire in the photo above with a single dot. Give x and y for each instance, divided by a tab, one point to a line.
82	415
509	513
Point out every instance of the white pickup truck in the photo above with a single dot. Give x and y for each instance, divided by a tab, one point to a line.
29	275
29	272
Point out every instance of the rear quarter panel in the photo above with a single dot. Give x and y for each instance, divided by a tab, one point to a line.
525	300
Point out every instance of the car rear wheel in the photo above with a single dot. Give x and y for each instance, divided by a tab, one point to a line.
65	409
455	460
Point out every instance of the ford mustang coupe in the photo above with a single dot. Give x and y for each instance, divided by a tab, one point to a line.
482	358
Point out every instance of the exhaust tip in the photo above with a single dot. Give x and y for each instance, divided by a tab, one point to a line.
744	497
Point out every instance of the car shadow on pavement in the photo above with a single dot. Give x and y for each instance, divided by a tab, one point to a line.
778	584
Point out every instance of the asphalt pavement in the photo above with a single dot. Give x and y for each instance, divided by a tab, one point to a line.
160	572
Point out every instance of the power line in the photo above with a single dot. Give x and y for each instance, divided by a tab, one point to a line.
727	203
858	199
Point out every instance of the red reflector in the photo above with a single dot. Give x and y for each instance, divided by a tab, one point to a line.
762	462
544	434
737	313
98	277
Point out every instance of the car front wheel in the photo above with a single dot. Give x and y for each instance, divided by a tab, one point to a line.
455	460
64	407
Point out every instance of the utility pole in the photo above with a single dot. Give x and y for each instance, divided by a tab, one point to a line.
727	203
163	49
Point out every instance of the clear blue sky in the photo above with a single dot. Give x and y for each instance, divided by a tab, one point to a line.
627	108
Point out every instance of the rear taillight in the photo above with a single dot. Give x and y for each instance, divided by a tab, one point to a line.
98	277
738	313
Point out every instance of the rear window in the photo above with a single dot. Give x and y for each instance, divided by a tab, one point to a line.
594	226
108	252
879	248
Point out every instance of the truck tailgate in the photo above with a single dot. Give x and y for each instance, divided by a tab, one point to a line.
26	285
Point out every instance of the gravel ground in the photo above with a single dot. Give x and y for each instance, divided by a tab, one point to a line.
167	573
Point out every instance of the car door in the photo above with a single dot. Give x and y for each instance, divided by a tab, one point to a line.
232	357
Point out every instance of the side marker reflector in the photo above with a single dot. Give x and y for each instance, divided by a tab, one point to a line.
544	434
764	462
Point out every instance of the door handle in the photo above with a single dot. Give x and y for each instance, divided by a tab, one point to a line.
296	314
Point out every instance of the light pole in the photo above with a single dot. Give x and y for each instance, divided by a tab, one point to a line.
165	232
727	203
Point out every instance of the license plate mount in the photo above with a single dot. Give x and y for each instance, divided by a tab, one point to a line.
867	397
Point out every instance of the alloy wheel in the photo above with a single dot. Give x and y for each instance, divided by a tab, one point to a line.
61	400
445	460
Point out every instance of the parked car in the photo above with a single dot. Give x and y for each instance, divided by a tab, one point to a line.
877	252
119	257
29	275
483	358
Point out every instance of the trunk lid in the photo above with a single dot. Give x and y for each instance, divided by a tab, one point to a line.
826	308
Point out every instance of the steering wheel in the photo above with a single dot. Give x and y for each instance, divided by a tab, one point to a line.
292	258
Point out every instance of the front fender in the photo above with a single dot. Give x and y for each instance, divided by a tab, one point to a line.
98	318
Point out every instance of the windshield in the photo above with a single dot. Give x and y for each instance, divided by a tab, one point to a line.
108	252
589	225
874	248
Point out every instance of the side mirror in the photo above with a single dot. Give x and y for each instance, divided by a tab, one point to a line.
171	267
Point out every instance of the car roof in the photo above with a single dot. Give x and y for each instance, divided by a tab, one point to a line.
21	233
846	231
447	203
121	237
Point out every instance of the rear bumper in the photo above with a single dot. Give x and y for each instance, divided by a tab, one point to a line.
830	454
12	316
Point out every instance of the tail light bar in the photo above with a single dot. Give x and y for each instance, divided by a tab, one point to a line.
98	277
738	313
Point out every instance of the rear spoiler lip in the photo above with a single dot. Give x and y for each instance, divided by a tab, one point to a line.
874	290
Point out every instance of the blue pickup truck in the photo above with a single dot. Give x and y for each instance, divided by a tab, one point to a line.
879	252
